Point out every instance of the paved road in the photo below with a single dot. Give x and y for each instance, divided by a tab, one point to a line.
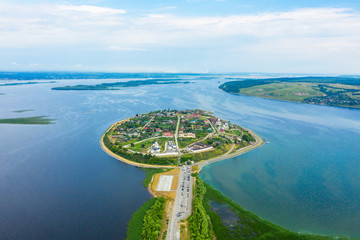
181	208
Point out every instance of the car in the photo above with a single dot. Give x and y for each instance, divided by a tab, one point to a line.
187	190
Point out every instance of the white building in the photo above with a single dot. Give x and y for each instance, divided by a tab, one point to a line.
155	148
171	147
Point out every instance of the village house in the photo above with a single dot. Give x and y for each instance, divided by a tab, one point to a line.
187	135
167	134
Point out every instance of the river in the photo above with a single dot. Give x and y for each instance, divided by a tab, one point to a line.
56	182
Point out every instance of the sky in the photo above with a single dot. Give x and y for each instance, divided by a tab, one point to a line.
215	36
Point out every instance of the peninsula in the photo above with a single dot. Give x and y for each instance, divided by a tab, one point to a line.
331	91
173	138
172	146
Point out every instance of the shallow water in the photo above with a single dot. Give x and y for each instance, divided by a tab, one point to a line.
56	182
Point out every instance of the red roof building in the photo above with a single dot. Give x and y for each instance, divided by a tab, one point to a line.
167	134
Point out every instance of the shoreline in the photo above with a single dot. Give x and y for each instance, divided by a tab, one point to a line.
124	160
291	101
259	142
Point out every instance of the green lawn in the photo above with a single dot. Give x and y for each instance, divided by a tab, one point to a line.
187	141
148	143
216	152
236	132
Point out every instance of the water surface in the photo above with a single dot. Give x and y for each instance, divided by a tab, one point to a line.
56	182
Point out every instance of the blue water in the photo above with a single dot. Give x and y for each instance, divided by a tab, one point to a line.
56	182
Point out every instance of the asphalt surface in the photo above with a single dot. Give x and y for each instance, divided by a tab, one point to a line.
182	204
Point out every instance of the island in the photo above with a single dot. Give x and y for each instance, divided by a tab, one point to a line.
37	120
331	91
173	138
172	146
23	83
119	85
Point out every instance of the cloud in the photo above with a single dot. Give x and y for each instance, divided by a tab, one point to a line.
54	24
90	9
301	34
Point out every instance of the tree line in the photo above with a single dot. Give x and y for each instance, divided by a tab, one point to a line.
200	225
152	221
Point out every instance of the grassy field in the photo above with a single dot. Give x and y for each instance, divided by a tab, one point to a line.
207	154
236	132
136	222
187	141
324	91
245	224
296	92
39	120
148	143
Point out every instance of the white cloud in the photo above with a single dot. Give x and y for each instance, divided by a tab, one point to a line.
22	26
319	33
89	9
